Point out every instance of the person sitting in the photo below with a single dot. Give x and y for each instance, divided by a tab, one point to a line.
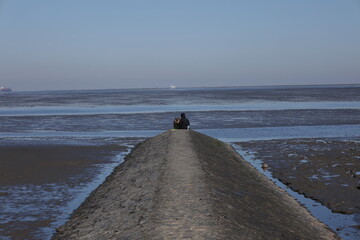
176	123
184	122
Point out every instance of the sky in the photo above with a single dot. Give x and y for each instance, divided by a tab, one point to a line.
112	44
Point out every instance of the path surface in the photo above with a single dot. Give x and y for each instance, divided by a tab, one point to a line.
184	210
185	185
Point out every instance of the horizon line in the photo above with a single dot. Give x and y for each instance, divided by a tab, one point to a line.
197	87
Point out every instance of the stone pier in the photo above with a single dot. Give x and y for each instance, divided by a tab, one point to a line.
185	185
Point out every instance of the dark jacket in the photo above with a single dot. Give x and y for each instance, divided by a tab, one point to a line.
184	122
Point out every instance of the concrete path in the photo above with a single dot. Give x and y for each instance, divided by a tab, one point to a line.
185	185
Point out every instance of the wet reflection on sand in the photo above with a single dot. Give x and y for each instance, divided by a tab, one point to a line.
40	185
324	170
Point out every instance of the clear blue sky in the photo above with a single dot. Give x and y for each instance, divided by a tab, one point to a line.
87	44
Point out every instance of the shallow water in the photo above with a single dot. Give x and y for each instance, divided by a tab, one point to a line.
225	134
126	117
132	109
189	96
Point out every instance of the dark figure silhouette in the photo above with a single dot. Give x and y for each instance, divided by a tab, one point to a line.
184	122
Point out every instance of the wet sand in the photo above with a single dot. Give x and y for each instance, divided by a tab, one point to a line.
326	170
182	184
37	182
49	163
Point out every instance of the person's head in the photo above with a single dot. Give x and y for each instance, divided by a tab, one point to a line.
182	115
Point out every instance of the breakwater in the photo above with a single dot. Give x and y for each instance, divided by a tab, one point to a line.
183	184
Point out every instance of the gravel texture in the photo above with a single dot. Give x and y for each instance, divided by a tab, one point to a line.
182	184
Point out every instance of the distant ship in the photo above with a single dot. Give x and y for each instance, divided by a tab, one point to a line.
172	86
5	89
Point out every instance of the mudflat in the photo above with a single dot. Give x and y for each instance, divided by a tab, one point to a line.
36	182
326	170
39	164
183	184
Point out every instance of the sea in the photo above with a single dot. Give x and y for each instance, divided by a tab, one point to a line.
125	117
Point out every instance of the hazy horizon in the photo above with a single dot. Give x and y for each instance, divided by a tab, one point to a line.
188	87
346	85
79	45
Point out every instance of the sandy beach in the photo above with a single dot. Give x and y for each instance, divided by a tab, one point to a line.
197	188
